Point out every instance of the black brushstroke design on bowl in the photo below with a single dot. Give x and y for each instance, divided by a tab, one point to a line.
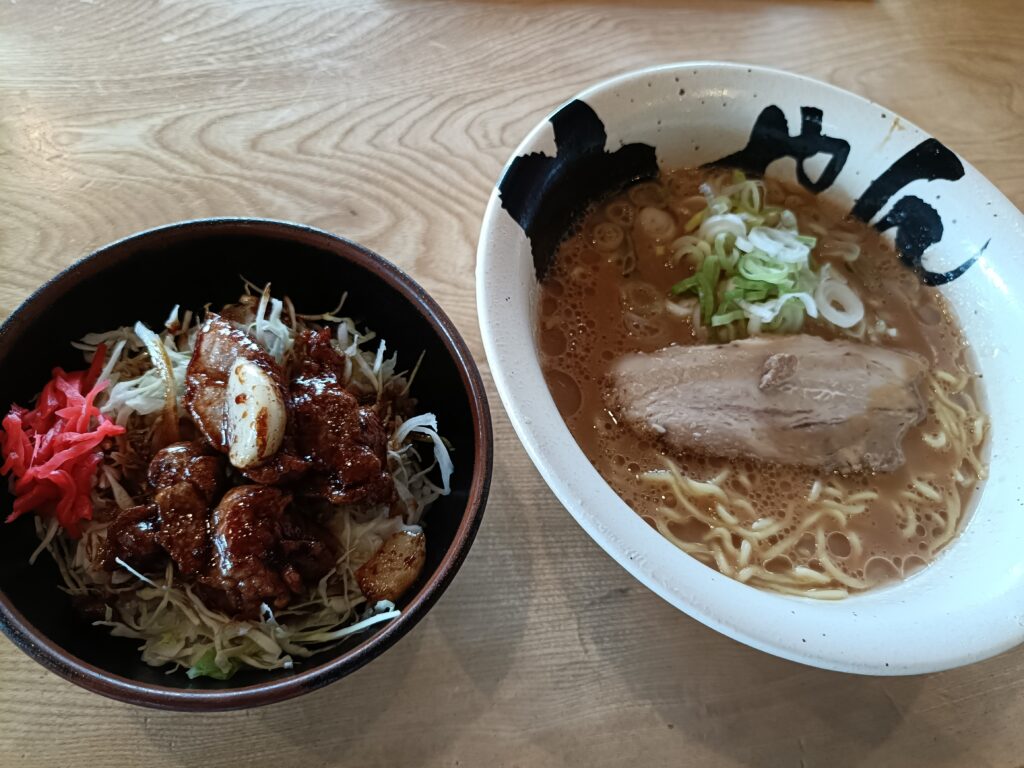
770	141
547	195
918	225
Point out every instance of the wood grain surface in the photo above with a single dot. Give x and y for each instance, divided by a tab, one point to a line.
388	122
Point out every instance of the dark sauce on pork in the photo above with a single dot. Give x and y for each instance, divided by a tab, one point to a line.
245	539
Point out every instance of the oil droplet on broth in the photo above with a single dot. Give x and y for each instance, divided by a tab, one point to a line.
839	544
552	341
565	391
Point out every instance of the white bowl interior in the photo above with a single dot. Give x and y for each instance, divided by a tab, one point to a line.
969	603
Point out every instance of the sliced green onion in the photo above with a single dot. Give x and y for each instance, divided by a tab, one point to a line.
790	318
727	317
757	265
752	263
695	221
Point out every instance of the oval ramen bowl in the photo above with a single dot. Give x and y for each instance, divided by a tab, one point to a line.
191	264
948	222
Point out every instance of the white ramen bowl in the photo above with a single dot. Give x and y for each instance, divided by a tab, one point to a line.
969	603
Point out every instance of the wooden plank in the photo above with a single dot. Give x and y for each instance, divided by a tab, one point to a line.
389	122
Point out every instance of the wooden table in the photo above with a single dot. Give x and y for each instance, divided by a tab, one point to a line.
388	122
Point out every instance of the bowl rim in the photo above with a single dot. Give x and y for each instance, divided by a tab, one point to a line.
541	447
58	660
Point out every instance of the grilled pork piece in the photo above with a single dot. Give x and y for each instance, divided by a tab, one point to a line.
132	538
186	478
345	441
261	553
191	462
184	526
235	393
799	399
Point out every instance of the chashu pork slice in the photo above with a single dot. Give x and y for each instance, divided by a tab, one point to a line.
799	399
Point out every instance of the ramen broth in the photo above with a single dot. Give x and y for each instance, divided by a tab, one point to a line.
600	301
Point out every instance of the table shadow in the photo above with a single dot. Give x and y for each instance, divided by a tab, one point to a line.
747	706
501	570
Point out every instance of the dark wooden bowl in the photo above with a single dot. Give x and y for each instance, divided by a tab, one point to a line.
194	263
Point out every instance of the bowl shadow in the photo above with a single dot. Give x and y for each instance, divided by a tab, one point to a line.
757	710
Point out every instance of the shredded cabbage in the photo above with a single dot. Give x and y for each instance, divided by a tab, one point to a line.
426	424
754	271
268	328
